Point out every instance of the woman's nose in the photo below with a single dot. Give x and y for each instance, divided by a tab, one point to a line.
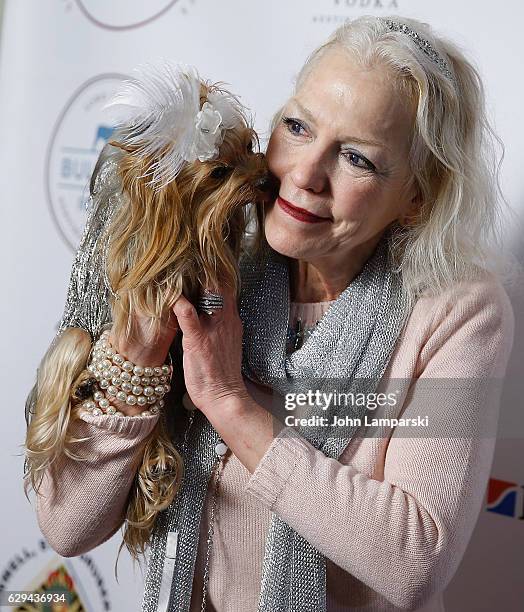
309	172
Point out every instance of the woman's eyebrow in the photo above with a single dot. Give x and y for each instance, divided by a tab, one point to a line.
306	112
347	139
373	143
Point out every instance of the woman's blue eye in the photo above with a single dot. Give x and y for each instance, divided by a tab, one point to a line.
293	125
357	160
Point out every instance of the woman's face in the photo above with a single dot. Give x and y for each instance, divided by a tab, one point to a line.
340	152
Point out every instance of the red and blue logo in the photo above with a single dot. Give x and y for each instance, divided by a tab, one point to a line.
505	498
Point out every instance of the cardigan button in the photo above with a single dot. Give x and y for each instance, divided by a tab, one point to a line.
221	448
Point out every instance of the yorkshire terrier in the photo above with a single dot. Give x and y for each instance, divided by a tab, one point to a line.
187	196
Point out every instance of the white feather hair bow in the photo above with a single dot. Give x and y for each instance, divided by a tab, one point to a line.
159	112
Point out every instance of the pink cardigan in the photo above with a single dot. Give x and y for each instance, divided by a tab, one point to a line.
393	517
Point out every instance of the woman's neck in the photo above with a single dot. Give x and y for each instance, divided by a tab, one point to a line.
324	280
307	285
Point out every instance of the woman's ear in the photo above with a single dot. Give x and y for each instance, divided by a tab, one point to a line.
412	211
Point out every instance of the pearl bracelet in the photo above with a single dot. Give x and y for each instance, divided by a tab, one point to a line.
99	404
118	378
122	379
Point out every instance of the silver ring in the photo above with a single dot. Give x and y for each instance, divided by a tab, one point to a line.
210	302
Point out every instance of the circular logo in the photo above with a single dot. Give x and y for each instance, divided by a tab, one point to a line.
65	583
78	137
123	14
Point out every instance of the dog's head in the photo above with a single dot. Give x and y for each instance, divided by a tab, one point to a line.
224	195
187	234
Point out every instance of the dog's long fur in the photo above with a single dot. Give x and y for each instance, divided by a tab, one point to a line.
179	239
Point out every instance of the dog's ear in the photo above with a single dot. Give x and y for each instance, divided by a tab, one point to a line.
217	221
150	240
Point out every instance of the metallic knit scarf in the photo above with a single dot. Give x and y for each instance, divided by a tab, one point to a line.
87	303
347	352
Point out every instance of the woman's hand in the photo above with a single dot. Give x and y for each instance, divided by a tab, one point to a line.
143	347
212	352
212	359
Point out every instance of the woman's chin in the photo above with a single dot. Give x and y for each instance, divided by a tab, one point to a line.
284	242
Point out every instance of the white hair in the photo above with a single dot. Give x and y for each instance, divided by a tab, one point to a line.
457	234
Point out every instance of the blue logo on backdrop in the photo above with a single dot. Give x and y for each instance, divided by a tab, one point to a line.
79	135
123	14
506	498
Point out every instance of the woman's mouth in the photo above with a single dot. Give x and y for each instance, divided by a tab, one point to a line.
299	213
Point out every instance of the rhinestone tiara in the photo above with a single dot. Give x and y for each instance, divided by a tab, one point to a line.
422	43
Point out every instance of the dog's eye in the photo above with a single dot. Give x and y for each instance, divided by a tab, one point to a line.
220	172
249	147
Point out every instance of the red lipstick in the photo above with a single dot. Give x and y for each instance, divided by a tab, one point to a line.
299	213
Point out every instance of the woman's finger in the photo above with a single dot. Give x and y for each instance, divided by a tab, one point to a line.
187	317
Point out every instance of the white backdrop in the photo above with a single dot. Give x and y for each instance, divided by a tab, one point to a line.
59	61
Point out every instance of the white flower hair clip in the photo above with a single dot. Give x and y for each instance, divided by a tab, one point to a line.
159	115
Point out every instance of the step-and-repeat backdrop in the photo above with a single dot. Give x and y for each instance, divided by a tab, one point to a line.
60	62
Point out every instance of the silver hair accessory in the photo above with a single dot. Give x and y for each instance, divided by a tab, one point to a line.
159	113
422	44
210	302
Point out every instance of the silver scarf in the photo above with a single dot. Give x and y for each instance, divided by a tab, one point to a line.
347	352
87	304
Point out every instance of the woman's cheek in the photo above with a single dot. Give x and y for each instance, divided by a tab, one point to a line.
276	155
354	200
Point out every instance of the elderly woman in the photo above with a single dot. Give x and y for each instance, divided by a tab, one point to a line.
374	276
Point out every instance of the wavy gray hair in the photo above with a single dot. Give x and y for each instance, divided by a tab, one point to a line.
457	233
